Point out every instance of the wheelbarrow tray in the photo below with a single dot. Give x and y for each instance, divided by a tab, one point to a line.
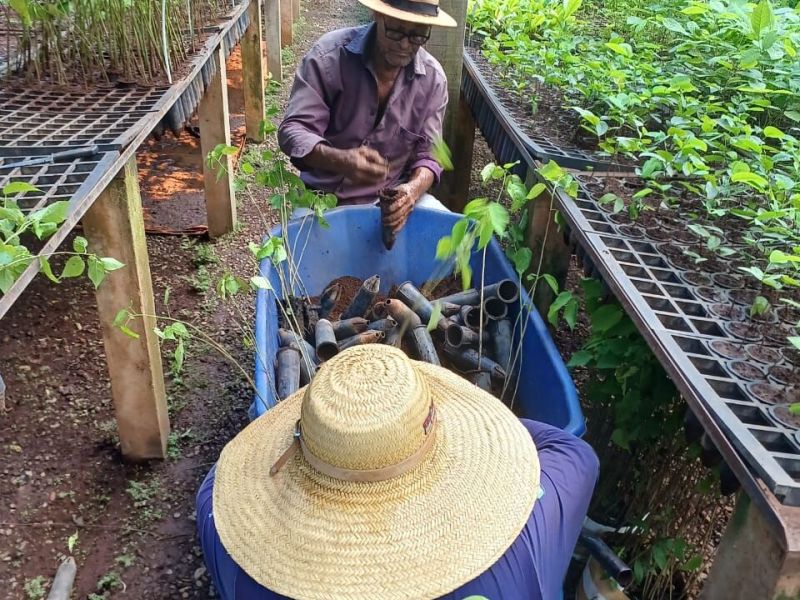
351	246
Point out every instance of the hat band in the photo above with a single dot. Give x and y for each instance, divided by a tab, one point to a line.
361	475
418	8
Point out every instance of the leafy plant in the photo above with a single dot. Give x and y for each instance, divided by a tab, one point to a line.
35	588
16	223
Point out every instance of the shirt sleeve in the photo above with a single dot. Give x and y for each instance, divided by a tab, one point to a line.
307	113
431	130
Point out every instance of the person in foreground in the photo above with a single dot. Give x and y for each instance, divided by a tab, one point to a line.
366	105
387	478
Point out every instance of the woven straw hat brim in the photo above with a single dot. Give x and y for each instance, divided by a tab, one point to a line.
441	20
420	535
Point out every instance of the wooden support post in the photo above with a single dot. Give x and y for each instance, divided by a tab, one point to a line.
296	10
550	251
114	226
447	46
751	561
453	189
287	10
215	129
272	18
253	74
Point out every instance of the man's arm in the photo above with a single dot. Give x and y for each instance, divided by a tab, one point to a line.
301	135
307	112
425	170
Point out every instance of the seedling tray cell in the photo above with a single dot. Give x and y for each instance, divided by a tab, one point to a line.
709	356
116	99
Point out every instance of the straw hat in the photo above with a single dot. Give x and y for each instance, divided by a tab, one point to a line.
405	482
426	12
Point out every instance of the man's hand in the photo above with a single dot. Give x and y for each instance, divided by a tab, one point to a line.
364	165
402	205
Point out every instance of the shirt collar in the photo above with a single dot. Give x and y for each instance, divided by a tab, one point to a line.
360	43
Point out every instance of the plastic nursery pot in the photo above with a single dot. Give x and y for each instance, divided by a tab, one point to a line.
747	332
728	280
784	375
768	393
363	299
745	370
782	415
764	354
349	327
711	294
287	372
367	337
325	340
696	278
743	296
731	312
728	349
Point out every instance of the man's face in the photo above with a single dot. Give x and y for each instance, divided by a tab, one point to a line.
397	41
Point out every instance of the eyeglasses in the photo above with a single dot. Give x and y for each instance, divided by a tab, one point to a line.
397	35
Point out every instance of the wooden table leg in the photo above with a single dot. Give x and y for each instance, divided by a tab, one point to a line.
272	17
114	227
215	129
752	561
253	75
550	251
287	10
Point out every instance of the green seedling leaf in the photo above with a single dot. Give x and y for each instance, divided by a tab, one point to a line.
74	267
551	171
492	171
441	154
773	132
18	187
444	248
759	307
517	192
79	244
260	283
177	357
551	281
795	408
71	541
536	191
111	264
761	18
96	271
436	314
522	259
44	266
580	359
794	340
605	317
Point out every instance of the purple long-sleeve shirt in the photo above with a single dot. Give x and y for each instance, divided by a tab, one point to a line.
334	101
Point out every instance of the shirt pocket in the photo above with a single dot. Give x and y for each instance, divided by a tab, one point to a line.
402	146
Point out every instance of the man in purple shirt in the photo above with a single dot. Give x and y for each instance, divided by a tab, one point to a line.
366	105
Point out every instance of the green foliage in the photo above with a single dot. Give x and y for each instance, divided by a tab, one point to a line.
35	588
625	376
17	223
705	95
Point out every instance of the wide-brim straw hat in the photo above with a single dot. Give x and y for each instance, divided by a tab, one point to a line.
409	482
426	12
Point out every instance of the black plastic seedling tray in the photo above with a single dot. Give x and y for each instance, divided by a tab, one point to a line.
700	330
496	123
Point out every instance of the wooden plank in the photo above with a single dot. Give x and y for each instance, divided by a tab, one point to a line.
549	249
751	561
453	189
272	17
114	226
215	129
447	46
287	11
253	74
296	10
